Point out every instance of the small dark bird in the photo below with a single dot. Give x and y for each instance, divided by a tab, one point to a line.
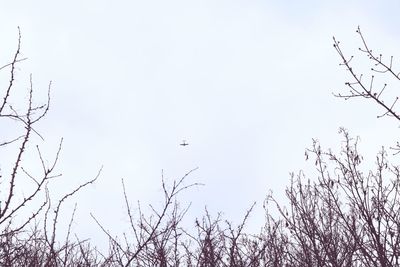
184	143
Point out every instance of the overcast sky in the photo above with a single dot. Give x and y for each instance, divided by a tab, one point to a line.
247	84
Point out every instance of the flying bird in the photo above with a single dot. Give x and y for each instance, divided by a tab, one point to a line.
184	143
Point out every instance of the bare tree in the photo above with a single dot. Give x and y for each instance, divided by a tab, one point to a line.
365	86
347	214
19	246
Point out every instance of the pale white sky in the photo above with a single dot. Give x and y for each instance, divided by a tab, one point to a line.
246	83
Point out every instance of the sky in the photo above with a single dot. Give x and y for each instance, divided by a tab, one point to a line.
247	84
